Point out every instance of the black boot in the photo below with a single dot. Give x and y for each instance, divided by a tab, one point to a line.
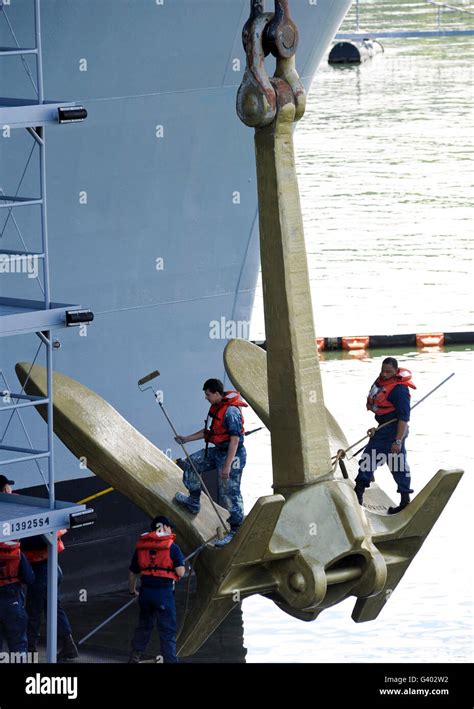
404	501
190	502
359	491
69	650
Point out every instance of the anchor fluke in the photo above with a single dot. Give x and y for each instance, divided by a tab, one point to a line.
116	452
400	537
227	575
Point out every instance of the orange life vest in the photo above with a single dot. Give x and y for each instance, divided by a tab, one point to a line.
36	555
154	558
218	433
9	563
377	400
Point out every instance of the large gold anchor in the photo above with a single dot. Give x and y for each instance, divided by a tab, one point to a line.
309	545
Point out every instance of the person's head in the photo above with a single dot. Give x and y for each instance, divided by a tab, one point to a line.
161	525
389	368
213	390
5	485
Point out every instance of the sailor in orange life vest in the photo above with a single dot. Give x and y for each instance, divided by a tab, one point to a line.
36	551
159	562
389	398
14	571
228	455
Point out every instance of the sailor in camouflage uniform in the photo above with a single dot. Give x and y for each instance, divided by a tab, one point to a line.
227	455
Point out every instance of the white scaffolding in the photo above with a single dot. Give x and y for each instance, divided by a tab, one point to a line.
22	516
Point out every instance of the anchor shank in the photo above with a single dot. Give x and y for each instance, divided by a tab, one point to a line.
300	448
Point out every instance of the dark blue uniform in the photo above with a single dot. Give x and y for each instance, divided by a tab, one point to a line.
215	457
37	596
13	618
156	601
378	450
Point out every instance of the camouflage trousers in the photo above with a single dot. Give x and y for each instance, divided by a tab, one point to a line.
229	490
